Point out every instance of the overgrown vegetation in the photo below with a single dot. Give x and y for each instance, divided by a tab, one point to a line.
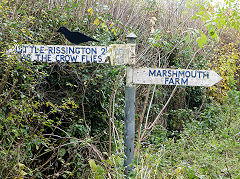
54	117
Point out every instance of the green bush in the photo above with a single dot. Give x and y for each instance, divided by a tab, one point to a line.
206	148
50	114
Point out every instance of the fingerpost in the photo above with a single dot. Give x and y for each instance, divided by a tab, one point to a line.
129	122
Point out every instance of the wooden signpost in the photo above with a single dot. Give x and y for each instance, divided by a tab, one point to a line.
61	53
129	121
119	54
181	77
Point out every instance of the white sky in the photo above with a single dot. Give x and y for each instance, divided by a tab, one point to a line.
214	2
236	3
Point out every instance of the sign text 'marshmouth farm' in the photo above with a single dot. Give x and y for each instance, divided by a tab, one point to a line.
182	77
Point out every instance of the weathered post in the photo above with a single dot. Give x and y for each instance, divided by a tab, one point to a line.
129	122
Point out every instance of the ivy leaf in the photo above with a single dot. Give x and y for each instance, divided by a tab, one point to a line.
97	22
202	40
104	25
195	17
93	165
187	38
62	152
90	10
